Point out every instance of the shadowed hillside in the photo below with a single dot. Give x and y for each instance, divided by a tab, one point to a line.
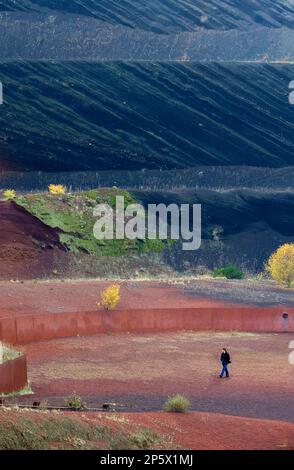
217	178
169	16
150	106
61	36
241	227
96	116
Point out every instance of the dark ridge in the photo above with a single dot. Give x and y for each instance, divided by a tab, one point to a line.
234	211
63	37
169	16
77	116
240	227
217	178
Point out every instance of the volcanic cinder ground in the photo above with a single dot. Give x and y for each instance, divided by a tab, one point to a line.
33	297
139	372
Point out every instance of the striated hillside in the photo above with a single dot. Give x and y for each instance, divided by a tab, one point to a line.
115	93
61	36
169	16
163	95
96	116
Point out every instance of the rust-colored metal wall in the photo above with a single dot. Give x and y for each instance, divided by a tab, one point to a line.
13	375
27	328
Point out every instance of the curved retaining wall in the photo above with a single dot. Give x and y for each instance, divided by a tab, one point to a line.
13	375
27	328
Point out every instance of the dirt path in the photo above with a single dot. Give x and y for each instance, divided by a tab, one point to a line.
140	372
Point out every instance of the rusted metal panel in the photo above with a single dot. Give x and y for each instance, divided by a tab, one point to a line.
29	328
13	375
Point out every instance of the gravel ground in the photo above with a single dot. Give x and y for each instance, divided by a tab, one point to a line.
140	372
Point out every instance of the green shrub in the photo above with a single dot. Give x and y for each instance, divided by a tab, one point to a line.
143	439
9	353
69	433
177	404
230	272
21	436
44	405
75	402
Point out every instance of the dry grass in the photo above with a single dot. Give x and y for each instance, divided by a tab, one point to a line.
28	430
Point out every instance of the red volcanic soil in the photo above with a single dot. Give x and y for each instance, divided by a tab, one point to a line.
209	431
196	431
78	296
27	246
29	297
140	372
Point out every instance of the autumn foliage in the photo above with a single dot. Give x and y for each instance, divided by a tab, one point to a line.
57	189
110	297
281	265
9	193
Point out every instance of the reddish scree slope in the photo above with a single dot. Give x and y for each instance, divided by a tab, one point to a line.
209	431
27	246
197	431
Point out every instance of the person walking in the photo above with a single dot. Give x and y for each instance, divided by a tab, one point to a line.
225	360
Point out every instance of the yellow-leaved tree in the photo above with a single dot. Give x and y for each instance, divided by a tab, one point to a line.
281	265
110	297
57	189
9	193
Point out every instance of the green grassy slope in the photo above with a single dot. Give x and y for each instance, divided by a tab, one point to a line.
72	214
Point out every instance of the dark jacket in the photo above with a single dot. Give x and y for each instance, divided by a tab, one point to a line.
225	358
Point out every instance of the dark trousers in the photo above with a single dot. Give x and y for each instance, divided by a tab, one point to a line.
225	370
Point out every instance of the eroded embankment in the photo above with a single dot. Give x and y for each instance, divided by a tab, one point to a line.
28	247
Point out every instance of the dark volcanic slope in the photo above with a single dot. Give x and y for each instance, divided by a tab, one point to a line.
39	36
216	178
242	227
170	16
234	211
95	116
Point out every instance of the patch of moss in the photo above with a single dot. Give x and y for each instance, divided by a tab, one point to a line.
108	196
152	246
72	215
